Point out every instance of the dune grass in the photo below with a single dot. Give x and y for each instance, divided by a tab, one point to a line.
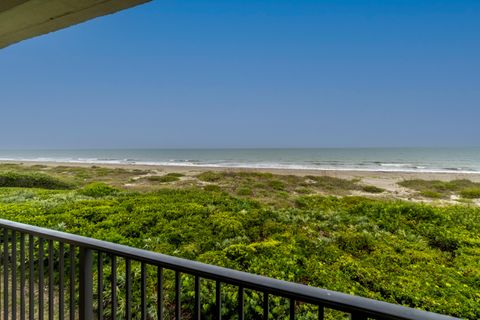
169	177
470	193
372	189
444	189
279	190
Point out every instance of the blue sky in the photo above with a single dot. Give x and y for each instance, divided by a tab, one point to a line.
250	74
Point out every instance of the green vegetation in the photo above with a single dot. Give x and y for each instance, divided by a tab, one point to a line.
372	189
470	193
31	180
444	189
75	175
284	227
98	190
327	183
176	174
245	191
210	176
431	194
277	190
169	177
212	187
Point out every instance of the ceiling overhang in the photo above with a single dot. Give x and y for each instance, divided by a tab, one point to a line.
23	19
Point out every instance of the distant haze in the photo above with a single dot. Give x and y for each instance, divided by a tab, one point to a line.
215	74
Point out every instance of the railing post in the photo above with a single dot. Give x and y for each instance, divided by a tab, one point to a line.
86	284
358	316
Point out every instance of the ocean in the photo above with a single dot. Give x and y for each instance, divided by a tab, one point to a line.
463	160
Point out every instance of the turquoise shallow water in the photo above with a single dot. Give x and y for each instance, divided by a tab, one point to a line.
371	159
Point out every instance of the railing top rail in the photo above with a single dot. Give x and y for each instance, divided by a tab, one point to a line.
299	292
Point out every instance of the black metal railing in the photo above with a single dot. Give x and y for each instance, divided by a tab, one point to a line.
49	274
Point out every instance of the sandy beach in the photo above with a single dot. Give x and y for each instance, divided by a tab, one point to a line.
387	180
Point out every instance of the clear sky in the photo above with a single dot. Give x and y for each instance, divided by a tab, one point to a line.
250	74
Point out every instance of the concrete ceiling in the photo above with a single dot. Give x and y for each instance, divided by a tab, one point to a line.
23	19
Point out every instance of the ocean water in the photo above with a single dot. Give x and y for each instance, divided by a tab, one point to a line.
466	160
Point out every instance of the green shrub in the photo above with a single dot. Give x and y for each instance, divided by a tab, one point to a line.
372	189
98	190
212	188
471	193
431	194
176	174
432	185
304	190
32	180
169	177
245	191
209	176
442	189
333	184
276	185
444	243
356	243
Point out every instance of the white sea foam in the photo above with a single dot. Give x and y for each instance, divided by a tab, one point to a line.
380	167
397	165
386	160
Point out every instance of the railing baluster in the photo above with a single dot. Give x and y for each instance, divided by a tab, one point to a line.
22	276
100	285
197	311
14	275
72	282
218	299
241	299
143	293
5	274
114	287
178	299
50	280
159	293
321	313
31	278
61	280
40	278
292	309
128	288
265	306
86	284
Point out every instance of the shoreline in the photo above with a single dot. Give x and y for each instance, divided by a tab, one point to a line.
339	173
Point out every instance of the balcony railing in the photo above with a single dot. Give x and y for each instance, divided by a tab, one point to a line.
49	274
